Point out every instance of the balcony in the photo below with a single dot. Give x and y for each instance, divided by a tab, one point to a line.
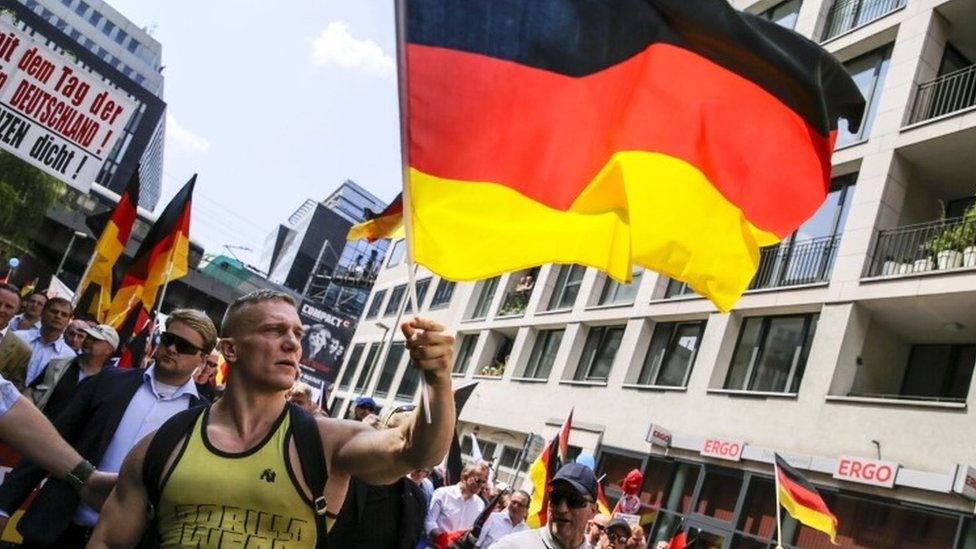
847	15
946	94
795	263
942	245
517	297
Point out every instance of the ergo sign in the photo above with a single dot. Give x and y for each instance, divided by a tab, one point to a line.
966	482
866	471
658	436
723	449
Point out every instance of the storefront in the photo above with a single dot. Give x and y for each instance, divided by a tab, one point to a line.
737	508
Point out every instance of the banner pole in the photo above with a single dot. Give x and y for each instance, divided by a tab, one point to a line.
779	518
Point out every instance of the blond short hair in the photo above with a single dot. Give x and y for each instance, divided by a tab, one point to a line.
199	322
236	314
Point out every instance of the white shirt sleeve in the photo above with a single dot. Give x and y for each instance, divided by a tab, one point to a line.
9	395
434	511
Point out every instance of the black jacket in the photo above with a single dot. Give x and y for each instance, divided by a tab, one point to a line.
365	520
88	423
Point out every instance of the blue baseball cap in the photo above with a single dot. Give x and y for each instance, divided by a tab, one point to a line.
368	403
579	476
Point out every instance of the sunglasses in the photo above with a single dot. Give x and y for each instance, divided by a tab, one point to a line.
573	501
615	537
183	346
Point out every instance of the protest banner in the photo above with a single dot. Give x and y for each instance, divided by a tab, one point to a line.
327	335
54	114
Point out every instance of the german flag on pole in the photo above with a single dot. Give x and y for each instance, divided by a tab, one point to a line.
802	501
382	225
677	135
543	469
161	257
96	289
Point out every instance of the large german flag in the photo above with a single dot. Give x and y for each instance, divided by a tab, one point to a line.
161	257
802	501
677	135
96	288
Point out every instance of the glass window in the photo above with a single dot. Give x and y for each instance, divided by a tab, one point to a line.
468	341
484	298
422	286
396	254
389	368
443	294
599	351
94	18
357	352
868	72
615	467
396	298
132	45
771	353
374	306
121	36
615	292
719	492
499	361
939	371
543	354
336	408
409	383
108	28
759	512
783	14
371	357
676	288
81	8
671	354
509	457
567	287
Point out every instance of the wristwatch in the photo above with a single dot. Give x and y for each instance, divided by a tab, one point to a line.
79	475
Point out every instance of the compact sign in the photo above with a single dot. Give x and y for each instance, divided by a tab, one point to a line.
658	436
866	471
965	482
723	449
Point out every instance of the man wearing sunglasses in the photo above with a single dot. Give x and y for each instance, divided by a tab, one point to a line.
572	497
246	437
105	418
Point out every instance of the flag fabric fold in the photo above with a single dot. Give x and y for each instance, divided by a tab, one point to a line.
802	501
162	257
95	291
681	136
542	471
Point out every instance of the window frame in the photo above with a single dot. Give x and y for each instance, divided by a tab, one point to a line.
466	351
397	295
439	301
564	281
543	340
798	363
584	368
669	348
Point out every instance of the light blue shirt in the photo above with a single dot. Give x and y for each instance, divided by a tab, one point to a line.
9	395
42	353
150	407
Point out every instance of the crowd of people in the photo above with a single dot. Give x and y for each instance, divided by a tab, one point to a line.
256	459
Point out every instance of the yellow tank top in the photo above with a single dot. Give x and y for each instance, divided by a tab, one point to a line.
216	499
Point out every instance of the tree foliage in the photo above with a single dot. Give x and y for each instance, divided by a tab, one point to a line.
26	193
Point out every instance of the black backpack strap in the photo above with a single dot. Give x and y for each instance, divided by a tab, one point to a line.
161	447
308	444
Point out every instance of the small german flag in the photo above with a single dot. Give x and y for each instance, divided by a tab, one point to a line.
542	471
802	501
96	289
385	224
674	134
162	257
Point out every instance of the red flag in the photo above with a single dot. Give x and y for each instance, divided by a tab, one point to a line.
564	438
679	541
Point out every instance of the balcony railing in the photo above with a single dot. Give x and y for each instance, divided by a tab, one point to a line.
795	263
890	396
515	302
946	94
845	15
938	245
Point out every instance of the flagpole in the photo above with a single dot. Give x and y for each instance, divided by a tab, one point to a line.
401	45
779	517
84	276
162	294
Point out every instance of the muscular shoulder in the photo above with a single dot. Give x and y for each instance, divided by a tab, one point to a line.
336	432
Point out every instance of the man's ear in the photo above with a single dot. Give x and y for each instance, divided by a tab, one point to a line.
228	349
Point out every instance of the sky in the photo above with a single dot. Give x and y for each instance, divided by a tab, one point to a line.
271	104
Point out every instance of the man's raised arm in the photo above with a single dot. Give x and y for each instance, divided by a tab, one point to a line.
381	457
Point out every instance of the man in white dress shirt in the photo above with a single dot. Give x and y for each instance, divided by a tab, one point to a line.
507	521
456	507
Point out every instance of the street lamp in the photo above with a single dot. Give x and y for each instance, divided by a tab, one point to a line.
71	243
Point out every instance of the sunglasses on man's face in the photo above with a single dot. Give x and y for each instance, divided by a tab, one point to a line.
573	501
183	346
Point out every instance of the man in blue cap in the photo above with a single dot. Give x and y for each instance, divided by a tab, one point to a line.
365	406
572	504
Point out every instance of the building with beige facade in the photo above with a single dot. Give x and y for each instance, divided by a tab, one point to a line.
852	354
